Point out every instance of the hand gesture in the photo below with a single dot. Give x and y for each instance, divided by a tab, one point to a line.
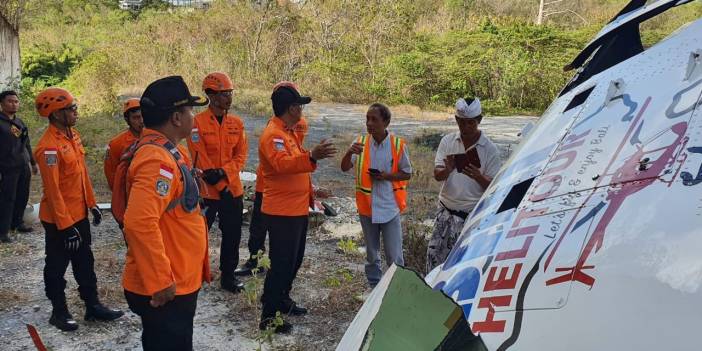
472	172
356	148
450	163
163	297
325	149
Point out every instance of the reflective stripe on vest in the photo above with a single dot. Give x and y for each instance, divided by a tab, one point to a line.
364	182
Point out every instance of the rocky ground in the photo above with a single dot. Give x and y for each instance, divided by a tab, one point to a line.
329	283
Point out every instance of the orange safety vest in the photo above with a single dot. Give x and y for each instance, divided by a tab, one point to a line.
364	182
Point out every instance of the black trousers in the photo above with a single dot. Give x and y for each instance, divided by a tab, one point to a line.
287	237
169	327
230	218
14	194
58	258
257	228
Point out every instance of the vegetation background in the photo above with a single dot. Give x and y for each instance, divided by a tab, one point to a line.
419	52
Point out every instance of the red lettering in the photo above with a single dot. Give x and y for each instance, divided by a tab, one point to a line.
526	214
554	180
502	282
523	231
519	253
568	156
490	325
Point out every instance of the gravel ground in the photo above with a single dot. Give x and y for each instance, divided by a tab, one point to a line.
329	282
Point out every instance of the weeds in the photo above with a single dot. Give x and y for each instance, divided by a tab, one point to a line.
348	247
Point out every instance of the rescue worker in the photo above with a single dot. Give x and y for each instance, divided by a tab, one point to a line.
218	145
67	197
257	228
116	147
382	168
287	194
167	259
15	159
460	189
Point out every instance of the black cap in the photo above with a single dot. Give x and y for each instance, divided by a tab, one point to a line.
165	95
285	96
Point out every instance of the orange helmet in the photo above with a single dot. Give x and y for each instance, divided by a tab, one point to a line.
285	83
130	104
51	100
217	81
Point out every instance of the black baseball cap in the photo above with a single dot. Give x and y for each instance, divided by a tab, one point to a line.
163	96
286	96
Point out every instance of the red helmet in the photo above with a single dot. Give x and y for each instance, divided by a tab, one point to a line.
130	104
51	100
217	81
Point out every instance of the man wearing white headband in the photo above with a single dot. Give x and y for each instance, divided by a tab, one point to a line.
461	188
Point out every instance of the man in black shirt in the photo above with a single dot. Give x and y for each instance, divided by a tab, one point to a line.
15	158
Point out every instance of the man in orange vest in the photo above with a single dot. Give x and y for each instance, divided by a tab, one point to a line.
219	147
116	147
68	195
257	228
382	171
286	168
167	259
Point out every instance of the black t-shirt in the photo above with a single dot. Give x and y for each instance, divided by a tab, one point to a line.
15	150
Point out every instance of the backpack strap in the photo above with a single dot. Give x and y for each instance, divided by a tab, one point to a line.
190	197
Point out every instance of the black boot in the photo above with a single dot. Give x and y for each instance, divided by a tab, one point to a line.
247	268
22	228
5	238
231	284
283	328
61	318
98	312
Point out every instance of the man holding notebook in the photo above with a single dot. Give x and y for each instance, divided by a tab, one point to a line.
465	163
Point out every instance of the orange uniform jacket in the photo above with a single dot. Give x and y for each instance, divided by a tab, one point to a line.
115	149
219	146
285	167
68	192
300	130
164	247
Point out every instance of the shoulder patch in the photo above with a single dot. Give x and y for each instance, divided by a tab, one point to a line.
51	156
195	135
163	186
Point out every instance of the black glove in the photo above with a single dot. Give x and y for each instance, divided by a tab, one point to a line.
212	176
71	238
97	215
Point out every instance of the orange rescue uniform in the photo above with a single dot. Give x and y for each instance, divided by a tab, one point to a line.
165	246
68	192
219	146
300	130
285	167
115	149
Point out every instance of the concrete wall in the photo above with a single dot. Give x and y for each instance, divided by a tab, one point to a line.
9	54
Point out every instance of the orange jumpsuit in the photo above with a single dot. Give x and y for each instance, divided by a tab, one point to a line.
219	146
165	247
68	192
115	149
